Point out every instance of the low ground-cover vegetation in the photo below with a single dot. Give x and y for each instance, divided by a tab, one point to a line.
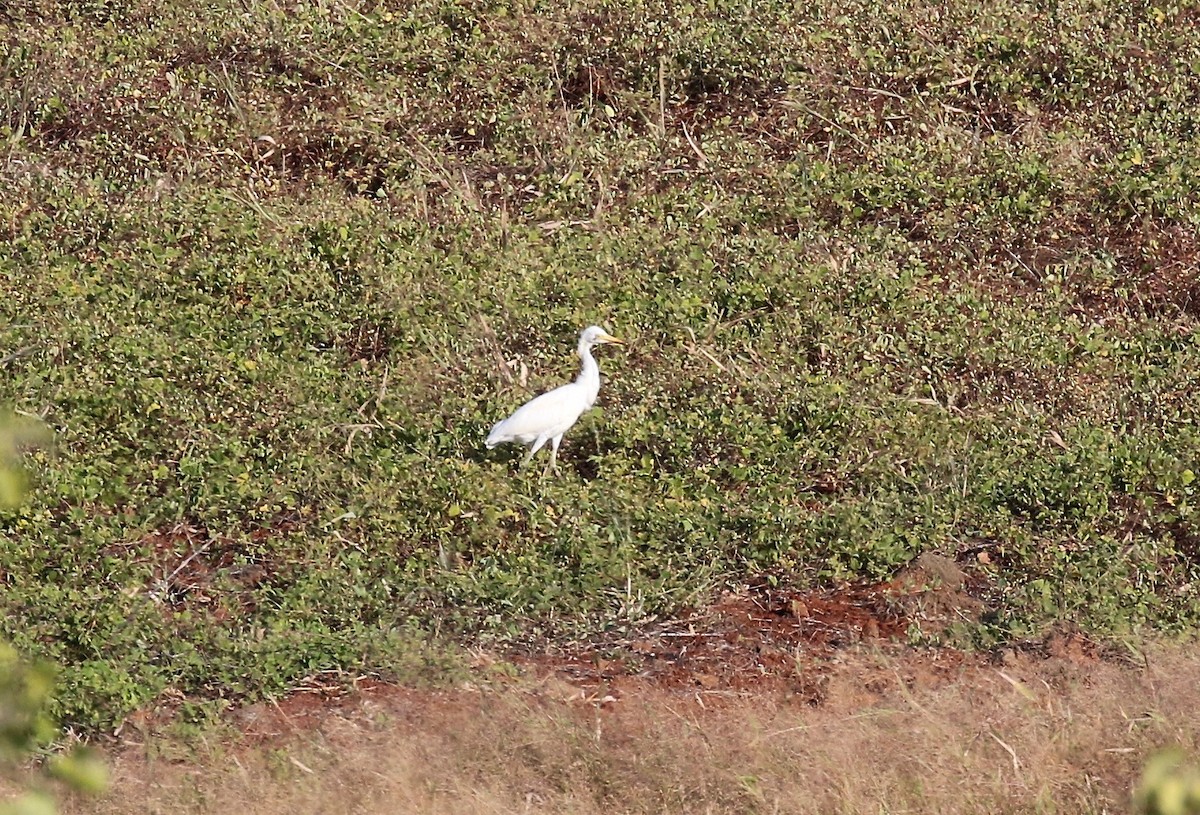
896	280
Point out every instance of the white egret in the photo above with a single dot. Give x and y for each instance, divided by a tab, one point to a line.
547	417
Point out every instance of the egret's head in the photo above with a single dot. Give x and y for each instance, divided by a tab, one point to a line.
595	335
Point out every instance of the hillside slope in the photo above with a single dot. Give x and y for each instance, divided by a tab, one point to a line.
895	281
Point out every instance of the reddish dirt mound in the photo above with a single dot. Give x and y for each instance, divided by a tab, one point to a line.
768	638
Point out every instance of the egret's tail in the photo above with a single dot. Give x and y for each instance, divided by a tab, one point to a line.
495	436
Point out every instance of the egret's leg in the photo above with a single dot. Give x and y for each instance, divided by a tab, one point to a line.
554	453
532	450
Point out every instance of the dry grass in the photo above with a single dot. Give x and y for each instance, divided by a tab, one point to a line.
1061	734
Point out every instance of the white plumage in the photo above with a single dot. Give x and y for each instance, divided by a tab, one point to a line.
547	417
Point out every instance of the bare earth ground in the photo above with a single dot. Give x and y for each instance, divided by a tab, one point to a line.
769	702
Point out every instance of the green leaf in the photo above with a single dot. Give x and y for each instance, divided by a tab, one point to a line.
82	770
31	803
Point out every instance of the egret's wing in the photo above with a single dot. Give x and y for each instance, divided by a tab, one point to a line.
543	416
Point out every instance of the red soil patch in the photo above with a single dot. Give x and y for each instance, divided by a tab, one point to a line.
763	638
194	568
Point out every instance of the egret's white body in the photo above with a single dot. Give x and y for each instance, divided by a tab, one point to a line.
547	417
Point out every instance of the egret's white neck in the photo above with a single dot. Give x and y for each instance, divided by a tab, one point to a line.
589	375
